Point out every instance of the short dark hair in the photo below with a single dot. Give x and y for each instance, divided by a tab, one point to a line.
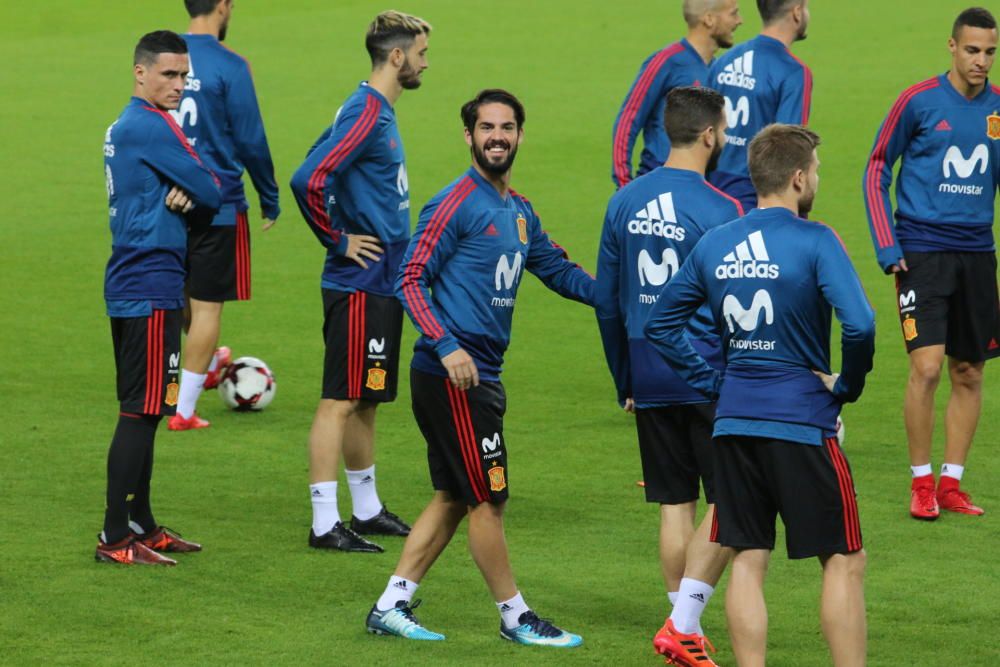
391	30
689	111
470	110
776	153
974	17
201	7
152	44
772	10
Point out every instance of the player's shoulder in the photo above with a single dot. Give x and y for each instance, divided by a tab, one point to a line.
924	93
457	195
145	123
673	52
521	200
720	201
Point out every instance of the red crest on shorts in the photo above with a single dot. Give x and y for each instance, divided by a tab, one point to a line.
909	328
376	379
497	480
173	391
993	126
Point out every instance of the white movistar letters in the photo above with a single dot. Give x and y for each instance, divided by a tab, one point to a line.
749	260
490	446
658	218
738	113
402	181
657	274
907	301
747	318
955	165
507	274
739	73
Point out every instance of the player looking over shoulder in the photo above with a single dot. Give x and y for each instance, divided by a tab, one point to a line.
651	226
459	282
153	178
353	191
221	118
771	280
711	24
946	132
763	83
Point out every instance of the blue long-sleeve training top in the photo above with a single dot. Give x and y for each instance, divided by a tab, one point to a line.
950	149
353	181
770	280
221	118
650	228
459	277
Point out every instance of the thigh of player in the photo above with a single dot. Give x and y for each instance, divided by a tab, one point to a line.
924	293
745	504
218	259
669	441
974	310
147	361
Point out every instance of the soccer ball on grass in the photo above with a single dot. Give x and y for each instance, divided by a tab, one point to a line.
248	384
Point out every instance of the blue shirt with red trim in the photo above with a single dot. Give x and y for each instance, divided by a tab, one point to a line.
950	150
770	280
651	226
763	83
673	67
221	118
353	181
459	278
145	155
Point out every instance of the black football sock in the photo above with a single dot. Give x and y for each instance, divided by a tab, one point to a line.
129	447
139	509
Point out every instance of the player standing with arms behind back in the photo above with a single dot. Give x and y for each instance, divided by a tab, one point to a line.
771	279
153	178
711	24
941	249
353	191
221	118
763	83
651	226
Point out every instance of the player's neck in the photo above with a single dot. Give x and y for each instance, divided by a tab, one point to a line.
962	86
788	200
686	160
780	32
703	43
204	25
386	82
500	182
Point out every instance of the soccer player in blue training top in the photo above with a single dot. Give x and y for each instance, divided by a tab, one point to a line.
153	178
711	24
458	282
220	116
353	191
770	280
651	226
941	249
763	83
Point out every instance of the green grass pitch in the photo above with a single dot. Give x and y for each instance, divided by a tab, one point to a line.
582	540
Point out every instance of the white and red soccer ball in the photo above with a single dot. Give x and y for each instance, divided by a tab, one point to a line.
248	384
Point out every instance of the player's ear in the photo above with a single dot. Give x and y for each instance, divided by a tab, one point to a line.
140	72
468	137
397	57
520	135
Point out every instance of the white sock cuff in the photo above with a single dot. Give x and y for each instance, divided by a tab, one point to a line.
355	477
511	610
952	470
397	589
323	492
921	471
672	596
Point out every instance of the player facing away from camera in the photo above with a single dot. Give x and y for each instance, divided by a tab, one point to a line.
221	118
458	282
941	249
153	178
352	189
763	83
711	24
651	226
770	280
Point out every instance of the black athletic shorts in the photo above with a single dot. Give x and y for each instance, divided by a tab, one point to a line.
362	333
218	261
147	361
950	299
466	452
675	444
811	487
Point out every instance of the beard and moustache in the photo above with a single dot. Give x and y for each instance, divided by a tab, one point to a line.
409	76
806	203
713	160
491	167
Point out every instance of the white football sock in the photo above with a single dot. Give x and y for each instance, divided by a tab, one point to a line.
324	502
691	601
364	498
397	589
511	610
191	386
921	471
672	596
952	470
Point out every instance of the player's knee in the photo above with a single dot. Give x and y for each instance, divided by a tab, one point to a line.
967	375
335	408
926	372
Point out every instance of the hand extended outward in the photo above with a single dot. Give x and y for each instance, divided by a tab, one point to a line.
461	369
360	246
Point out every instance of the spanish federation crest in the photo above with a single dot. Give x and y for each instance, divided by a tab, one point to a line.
993	126
909	328
522	228
497	480
376	379
173	390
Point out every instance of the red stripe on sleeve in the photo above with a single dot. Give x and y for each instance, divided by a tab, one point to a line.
172	124
734	200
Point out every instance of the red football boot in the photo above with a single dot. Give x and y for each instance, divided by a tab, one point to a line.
130	552
164	539
950	497
923	502
223	357
683	650
178	423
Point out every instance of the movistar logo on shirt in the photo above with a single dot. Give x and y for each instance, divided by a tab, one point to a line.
749	260
956	165
654	273
658	218
739	73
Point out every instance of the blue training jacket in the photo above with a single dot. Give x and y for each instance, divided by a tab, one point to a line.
145	155
459	278
651	226
770	280
947	183
354	181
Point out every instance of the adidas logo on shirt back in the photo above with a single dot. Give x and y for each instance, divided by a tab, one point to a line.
658	218
749	260
739	73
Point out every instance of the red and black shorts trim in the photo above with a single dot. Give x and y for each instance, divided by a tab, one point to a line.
950	299
363	334
466	451
675	445
218	262
810	487
147	361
